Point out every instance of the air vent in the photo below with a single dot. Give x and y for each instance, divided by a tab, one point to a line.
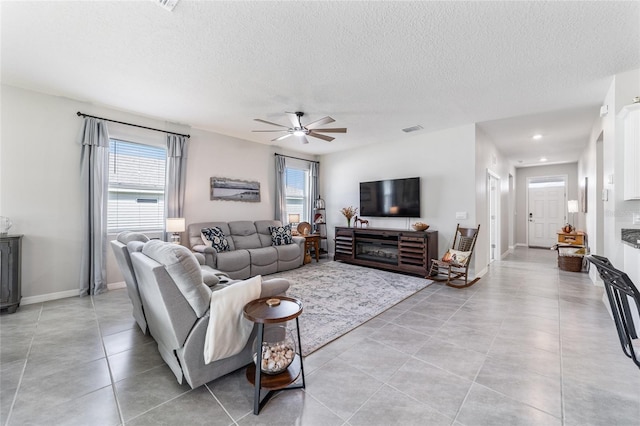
167	4
413	129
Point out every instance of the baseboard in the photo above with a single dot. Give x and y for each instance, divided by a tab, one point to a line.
64	294
482	273
522	245
48	297
116	286
507	253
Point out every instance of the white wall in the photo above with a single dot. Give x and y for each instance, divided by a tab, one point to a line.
488	158
445	162
523	173
617	212
40	182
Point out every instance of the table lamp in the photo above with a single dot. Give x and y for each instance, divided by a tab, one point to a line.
294	218
175	225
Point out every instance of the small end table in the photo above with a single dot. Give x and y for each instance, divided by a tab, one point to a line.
311	240
261	313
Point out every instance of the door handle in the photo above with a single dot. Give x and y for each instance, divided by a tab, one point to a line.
530	217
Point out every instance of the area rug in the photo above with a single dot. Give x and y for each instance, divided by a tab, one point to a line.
338	297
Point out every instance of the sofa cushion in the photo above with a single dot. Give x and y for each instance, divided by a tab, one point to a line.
185	271
281	235
262	226
263	256
244	235
218	240
231	261
288	252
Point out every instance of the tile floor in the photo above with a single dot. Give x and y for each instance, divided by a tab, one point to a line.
527	345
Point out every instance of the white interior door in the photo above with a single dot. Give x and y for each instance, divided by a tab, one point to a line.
547	212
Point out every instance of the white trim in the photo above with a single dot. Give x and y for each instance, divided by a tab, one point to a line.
116	286
49	296
492	175
522	245
506	253
481	273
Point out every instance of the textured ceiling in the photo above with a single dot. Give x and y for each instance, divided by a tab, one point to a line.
375	67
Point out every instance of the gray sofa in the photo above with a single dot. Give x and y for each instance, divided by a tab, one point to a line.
176	305
251	251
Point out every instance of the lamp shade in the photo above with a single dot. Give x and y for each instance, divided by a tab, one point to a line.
572	206
175	224
294	218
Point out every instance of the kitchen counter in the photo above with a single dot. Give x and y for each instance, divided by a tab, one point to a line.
631	237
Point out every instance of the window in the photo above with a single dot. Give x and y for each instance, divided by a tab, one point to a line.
297	193
136	187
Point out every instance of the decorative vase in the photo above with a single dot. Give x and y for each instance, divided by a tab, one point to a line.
348	222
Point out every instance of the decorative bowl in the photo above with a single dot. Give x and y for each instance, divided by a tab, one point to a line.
420	226
278	350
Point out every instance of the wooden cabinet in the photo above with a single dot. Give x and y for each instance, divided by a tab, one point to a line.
393	249
10	269
630	116
572	238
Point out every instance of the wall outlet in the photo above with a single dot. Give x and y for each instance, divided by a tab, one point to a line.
461	215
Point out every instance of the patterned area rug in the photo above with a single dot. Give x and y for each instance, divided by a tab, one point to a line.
338	297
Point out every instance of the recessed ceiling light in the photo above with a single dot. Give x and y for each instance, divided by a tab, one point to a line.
543	159
536	137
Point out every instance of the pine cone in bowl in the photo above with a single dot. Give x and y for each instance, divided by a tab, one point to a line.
420	226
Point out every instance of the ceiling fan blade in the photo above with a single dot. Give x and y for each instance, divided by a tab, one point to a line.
281	137
269	130
325	120
336	130
293	117
269	122
319	136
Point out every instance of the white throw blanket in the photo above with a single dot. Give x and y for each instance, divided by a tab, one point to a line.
228	330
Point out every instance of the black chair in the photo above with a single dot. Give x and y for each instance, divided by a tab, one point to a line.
619	290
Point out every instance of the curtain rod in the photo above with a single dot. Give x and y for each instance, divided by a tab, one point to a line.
80	114
297	158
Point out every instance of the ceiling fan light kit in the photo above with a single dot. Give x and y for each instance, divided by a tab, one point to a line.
301	131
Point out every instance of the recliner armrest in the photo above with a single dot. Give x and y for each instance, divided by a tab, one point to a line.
274	287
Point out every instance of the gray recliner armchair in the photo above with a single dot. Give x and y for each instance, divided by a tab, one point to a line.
119	246
211	277
177	310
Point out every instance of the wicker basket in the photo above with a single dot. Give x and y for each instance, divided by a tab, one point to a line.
570	263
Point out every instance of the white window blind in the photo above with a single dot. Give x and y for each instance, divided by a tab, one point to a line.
136	187
297	193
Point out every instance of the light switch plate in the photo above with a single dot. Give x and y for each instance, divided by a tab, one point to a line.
461	215
636	219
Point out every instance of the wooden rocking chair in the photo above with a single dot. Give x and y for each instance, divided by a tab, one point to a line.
455	263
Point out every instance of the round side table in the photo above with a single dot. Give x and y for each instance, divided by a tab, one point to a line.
267	311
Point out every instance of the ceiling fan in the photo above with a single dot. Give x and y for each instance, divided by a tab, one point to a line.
301	131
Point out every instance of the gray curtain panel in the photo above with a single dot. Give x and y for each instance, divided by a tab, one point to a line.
176	178
94	139
313	190
281	183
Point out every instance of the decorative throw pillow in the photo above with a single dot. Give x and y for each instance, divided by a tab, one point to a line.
281	235
216	236
457	257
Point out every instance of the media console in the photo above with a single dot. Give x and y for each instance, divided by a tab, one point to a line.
392	249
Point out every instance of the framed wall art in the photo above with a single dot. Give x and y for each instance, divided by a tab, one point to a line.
234	190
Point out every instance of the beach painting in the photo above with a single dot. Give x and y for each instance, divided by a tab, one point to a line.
235	190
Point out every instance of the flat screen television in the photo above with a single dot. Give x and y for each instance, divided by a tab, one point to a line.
390	198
